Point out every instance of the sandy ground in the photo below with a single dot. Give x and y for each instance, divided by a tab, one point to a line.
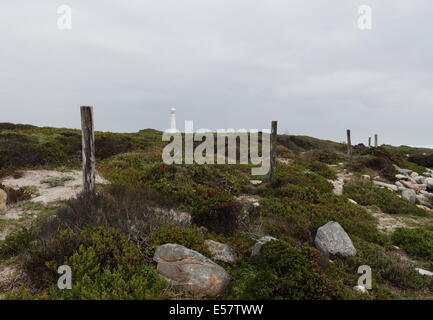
385	222
338	184
46	193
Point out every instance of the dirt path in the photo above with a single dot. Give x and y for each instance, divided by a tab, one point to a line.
342	177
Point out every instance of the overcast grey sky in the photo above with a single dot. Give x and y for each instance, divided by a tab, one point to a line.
224	64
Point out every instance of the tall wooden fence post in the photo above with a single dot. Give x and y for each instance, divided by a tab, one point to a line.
375	140
88	140
349	145
369	142
273	150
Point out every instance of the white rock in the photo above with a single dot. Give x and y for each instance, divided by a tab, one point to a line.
386	185
220	251
352	201
401	177
361	289
256	182
424	272
259	244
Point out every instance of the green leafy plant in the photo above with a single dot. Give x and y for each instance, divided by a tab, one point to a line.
56	181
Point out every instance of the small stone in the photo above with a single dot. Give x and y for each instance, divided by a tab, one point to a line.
256	249
424	272
256	182
366	177
401	177
220	251
406	172
360	289
386	185
352	201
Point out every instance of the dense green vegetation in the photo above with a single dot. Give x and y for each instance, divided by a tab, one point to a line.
417	242
109	238
365	193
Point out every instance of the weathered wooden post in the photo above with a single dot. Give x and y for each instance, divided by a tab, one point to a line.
349	145
273	150
88	140
375	140
369	142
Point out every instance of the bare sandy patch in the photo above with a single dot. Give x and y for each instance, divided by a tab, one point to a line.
47	194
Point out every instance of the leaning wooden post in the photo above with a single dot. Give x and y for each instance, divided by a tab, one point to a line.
273	154
375	140
369	142
88	140
349	145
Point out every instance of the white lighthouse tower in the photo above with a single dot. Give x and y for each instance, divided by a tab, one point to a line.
173	120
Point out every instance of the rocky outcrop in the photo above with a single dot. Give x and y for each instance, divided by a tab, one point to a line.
259	244
190	271
3	200
332	240
220	251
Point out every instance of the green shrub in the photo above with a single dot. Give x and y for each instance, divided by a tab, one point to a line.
299	176
416	242
15	243
104	263
16	195
281	272
191	238
388	268
196	188
365	193
302	210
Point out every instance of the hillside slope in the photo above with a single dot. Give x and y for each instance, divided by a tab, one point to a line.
110	239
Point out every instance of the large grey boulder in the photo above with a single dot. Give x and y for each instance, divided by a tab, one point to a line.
331	239
190	271
409	195
3	200
259	244
220	251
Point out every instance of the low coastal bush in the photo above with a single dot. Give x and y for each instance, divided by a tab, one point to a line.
416	242
365	193
106	265
281	272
